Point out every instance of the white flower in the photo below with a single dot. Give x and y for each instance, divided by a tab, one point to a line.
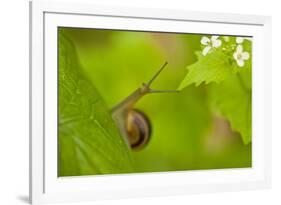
239	40
240	56
210	43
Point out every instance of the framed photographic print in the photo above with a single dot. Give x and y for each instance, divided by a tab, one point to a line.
129	102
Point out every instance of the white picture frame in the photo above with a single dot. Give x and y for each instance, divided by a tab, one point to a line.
46	187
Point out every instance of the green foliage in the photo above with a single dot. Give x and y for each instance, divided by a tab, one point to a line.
89	141
234	101
211	68
231	86
216	66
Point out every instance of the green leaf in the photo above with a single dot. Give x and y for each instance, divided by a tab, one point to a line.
233	98
89	141
217	65
232	91
214	67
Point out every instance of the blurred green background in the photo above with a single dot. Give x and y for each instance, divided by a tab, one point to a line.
187	133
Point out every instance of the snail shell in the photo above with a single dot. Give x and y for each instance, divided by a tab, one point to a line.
138	129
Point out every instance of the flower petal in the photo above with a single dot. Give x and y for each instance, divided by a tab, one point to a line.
240	62
235	55
245	55
239	40
216	43
214	38
205	40
239	49
206	50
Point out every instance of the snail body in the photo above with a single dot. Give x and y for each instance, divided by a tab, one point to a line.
134	125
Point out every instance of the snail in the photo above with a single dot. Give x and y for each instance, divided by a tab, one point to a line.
133	124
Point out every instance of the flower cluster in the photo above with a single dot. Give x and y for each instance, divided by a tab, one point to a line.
236	49
210	44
